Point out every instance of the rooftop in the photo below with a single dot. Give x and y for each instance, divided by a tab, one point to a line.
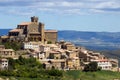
101	60
4	37
33	43
3	59
15	30
50	30
35	33
55	52
7	50
52	45
2	46
25	23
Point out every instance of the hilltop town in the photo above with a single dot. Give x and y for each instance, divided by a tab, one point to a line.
43	45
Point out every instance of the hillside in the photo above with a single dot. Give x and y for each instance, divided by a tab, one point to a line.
100	75
92	40
112	54
107	43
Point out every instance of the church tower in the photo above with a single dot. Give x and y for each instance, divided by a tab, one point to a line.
34	19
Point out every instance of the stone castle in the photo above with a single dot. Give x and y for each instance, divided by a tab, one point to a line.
31	31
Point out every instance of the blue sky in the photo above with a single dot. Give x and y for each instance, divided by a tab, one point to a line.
80	15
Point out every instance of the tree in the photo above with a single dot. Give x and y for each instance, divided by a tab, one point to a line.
92	66
54	72
13	45
49	42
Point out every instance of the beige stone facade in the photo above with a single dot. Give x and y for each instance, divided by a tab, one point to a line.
32	31
71	54
56	64
55	55
2	47
51	35
73	63
3	64
7	53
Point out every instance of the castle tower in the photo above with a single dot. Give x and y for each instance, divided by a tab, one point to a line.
41	28
34	19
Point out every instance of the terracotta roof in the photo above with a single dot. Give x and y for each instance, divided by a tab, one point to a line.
2	46
15	30
50	30
25	23
55	52
34	32
103	60
3	59
52	45
7	50
4	37
59	60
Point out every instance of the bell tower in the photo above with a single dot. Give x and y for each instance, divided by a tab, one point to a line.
34	19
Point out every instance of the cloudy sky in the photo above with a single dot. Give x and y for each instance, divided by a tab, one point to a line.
81	15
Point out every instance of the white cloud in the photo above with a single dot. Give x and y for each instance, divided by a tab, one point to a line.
70	4
108	5
64	6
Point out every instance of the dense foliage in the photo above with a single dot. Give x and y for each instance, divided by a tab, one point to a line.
30	68
92	66
12	45
49	42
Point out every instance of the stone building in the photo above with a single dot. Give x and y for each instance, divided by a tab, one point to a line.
7	53
52	63
73	63
51	35
71	54
3	64
32	31
55	55
31	45
2	47
105	64
67	45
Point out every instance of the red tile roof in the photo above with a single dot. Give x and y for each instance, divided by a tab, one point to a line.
50	30
15	30
25	23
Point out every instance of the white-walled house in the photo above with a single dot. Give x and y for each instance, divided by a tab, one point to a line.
41	55
53	46
44	48
105	64
37	55
31	45
3	64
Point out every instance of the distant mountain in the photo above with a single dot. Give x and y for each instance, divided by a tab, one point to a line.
92	40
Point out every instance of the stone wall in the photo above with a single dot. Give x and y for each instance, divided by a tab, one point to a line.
33	27
51	36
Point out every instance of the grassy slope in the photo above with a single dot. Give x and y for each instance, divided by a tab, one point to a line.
100	75
79	75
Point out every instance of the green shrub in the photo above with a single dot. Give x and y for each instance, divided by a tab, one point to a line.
92	66
54	72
